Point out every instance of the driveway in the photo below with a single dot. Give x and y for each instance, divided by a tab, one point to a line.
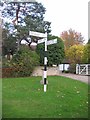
82	78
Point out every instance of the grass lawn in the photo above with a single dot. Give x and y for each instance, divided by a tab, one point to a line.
24	98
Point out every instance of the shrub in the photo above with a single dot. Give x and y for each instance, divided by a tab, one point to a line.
22	64
7	70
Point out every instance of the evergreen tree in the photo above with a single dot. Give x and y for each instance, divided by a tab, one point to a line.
55	52
24	17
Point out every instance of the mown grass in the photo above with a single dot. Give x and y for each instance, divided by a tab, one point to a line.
24	98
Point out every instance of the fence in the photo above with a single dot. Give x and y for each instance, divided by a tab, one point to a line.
83	69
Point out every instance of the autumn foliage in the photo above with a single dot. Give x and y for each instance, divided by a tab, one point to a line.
71	37
75	54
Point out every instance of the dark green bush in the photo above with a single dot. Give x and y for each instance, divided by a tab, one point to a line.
22	64
55	52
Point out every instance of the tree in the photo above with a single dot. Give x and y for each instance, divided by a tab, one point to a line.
8	43
75	54
71	37
29	16
17	11
55	52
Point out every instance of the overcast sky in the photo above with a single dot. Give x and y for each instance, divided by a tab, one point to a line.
66	14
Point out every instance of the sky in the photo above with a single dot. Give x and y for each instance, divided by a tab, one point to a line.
66	14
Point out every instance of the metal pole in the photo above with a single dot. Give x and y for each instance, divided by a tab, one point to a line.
45	65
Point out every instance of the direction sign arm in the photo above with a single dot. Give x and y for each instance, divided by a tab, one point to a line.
50	42
37	34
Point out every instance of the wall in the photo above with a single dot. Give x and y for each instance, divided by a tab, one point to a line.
50	71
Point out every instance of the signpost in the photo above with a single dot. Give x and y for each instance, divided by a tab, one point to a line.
37	34
41	41
50	42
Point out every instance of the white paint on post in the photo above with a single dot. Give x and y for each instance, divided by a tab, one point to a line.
45	44
45	74
45	88
45	60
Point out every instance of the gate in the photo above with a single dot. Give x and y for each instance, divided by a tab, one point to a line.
83	69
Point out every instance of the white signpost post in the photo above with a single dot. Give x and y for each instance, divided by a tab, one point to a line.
50	42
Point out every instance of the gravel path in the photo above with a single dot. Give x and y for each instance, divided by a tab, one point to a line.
82	78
